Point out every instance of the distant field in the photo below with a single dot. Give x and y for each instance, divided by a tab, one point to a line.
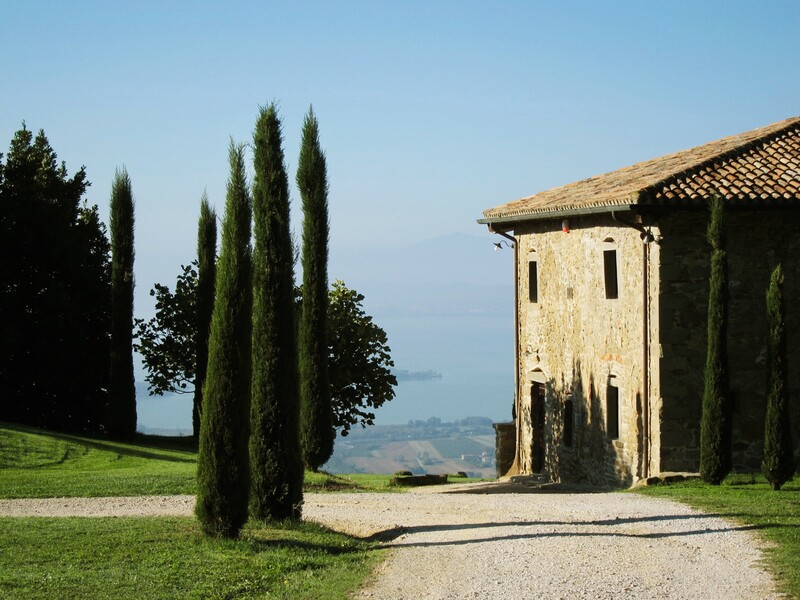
456	447
436	456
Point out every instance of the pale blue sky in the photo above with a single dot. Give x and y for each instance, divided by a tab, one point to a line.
430	112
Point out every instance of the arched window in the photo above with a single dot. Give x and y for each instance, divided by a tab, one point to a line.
610	268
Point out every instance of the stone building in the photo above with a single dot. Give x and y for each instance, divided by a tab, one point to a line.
611	303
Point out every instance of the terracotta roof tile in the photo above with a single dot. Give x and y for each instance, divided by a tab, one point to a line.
758	166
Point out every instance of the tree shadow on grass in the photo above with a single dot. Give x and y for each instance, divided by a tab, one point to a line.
262	545
259	541
113	447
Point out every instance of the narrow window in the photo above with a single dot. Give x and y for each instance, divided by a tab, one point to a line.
612	412
610	269
569	422
533	282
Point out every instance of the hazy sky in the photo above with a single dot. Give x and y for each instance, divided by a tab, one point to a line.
429	112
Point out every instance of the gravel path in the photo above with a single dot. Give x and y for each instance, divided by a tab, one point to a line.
512	545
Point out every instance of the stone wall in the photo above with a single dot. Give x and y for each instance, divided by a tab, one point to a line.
505	445
757	240
576	342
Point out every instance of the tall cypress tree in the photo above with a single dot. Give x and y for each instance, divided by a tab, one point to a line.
122	404
715	442
206	274
222	464
316	414
275	455
778	462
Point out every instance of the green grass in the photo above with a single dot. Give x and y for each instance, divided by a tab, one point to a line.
35	464
326	482
750	500
38	464
156	557
170	558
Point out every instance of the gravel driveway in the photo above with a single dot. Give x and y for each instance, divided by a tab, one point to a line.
513	545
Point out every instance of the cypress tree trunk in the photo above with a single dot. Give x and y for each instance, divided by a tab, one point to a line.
206	273
316	415
122	391
275	455
222	464
778	462
715	444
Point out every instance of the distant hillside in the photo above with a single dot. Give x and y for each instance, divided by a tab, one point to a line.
430	446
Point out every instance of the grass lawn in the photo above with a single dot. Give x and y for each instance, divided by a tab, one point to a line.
34	464
37	464
170	558
750	500
157	557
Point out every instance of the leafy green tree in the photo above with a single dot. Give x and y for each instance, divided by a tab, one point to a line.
223	473
168	343
715	437
359	359
54	293
174	343
316	415
360	363
206	273
778	462
122	391
275	454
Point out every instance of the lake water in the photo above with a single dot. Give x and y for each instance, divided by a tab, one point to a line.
446	306
473	353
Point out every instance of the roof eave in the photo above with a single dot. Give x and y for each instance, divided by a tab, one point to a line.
554	213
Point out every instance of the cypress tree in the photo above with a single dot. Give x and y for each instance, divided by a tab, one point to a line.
206	273
316	415
778	462
122	418
275	455
222	465
715	443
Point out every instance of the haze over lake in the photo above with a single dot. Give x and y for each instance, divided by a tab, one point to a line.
446	306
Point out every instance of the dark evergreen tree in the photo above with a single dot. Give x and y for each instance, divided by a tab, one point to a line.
54	293
222	467
275	454
206	273
316	415
715	438
122	391
778	462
